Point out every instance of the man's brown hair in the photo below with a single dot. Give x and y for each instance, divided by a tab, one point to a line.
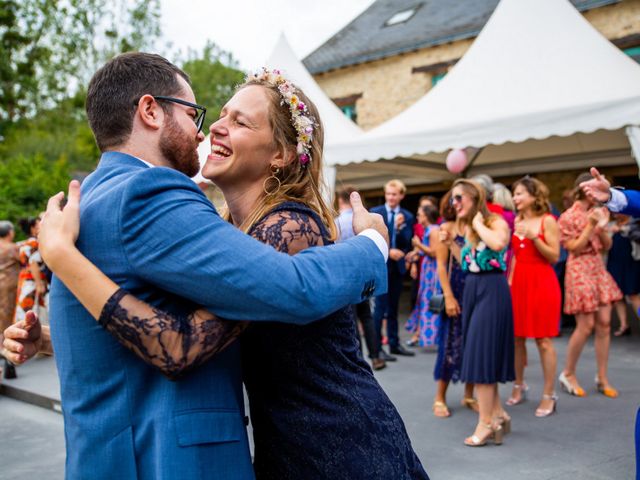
116	87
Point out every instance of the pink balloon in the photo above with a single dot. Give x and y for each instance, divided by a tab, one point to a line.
457	160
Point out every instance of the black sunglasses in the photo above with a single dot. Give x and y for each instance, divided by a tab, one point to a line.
456	198
202	111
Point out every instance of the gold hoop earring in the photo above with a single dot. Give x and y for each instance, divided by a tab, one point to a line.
274	172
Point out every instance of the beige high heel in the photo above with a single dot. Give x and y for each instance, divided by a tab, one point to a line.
567	387
505	423
524	389
494	433
545	412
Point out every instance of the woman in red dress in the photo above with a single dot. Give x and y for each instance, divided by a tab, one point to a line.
535	290
589	288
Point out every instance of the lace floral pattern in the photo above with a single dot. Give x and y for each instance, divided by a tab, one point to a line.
172	343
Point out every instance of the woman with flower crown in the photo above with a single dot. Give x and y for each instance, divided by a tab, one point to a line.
316	409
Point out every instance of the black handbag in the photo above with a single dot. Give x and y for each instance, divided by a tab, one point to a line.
436	302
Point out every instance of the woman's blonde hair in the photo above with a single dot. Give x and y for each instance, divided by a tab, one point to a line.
538	191
502	196
475	191
295	182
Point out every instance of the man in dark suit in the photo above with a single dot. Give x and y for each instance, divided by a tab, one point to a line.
400	224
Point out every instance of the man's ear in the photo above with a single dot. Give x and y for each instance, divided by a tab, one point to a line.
149	112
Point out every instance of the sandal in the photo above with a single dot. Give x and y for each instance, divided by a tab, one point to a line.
523	388
493	433
570	389
622	332
471	403
440	409
545	412
503	421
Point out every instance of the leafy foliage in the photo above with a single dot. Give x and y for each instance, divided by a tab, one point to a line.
27	182
214	75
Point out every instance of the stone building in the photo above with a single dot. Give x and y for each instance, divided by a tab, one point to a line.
397	50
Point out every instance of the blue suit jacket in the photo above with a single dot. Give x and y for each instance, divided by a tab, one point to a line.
633	203
154	233
403	236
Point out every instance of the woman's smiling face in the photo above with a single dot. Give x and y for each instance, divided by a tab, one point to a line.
462	203
242	146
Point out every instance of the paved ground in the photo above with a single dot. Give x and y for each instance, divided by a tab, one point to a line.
590	438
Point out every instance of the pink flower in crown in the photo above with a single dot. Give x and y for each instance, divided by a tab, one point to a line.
301	106
304	158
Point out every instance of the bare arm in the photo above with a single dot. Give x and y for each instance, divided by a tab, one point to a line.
442	258
495	235
550	246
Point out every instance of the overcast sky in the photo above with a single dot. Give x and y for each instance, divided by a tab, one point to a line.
249	28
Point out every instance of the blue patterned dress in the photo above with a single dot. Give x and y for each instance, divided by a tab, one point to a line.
422	321
449	361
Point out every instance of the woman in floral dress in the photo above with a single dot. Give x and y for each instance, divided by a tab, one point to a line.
589	288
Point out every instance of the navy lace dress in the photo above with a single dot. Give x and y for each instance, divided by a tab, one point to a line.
316	409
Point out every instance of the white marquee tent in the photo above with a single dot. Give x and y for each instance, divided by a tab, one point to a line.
540	89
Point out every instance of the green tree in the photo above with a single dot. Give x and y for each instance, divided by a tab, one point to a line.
214	75
49	47
27	182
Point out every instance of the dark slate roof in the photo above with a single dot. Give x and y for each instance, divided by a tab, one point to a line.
435	22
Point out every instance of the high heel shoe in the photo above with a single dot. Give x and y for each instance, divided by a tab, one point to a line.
493	433
471	403
523	388
622	332
505	423
606	390
567	387
545	412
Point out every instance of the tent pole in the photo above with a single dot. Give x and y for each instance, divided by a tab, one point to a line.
633	134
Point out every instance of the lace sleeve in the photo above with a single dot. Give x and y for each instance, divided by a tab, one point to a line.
288	231
174	344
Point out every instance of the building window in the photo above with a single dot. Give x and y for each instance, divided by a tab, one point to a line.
348	105
435	79
402	16
633	52
350	112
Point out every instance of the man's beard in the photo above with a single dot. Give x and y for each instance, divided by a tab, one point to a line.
179	149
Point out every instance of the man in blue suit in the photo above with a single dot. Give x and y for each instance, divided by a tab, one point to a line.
618	201
150	229
400	226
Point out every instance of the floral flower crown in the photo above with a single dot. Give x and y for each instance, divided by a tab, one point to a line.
301	118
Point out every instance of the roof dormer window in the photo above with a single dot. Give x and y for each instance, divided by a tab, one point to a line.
402	16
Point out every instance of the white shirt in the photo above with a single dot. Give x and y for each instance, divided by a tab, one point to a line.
618	200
